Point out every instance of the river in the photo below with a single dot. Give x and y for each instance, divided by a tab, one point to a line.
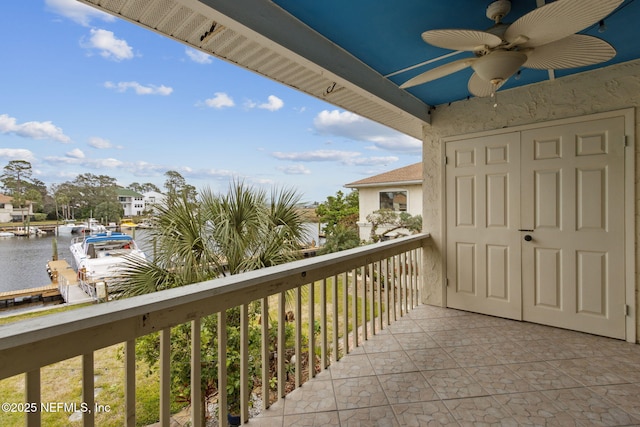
23	260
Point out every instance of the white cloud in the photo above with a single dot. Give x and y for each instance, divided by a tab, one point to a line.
352	126
273	104
220	100
101	143
294	170
76	153
351	158
33	130
139	89
317	156
17	154
198	56
78	12
109	45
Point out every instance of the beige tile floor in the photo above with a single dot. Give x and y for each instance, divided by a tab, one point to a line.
440	366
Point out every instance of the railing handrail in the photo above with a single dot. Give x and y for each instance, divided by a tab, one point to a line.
102	325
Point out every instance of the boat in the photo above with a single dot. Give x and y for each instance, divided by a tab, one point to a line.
69	227
26	231
92	226
6	234
98	258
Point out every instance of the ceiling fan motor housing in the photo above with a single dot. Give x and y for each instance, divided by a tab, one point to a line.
498	10
499	65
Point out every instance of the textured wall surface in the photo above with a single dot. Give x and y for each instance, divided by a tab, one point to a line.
613	88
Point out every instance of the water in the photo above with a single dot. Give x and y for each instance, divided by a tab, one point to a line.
23	261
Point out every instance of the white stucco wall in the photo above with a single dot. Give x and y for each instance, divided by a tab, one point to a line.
369	201
612	88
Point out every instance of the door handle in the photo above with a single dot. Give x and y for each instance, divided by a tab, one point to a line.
528	237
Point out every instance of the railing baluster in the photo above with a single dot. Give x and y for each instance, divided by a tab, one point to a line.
32	396
345	312
312	332
298	344
222	369
130	383
88	390
364	303
379	293
165	376
244	363
418	270
354	302
282	374
393	290
372	299
411	284
334	315
264	320
387	289
323	324
196	373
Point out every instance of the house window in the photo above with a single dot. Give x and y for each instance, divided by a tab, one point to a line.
394	200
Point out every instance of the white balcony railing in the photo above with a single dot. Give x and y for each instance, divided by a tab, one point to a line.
380	283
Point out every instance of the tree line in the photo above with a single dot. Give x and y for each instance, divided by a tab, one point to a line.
87	195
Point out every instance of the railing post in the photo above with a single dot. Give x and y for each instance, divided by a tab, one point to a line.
312	332
244	363
334	315
165	377
298	343
222	368
196	373
345	311
282	374
323	324
130	383
88	390
379	293
264	319
354	311
364	303
372	294
32	396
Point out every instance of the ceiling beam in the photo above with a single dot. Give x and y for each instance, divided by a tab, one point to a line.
272	22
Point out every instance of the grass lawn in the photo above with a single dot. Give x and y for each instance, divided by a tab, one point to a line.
62	382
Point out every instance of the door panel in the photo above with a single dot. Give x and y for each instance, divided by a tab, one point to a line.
483	259
572	196
563	186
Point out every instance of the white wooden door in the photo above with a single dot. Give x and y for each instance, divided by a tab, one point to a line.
483	248
565	184
572	197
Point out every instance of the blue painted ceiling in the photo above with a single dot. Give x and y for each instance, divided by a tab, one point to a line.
386	36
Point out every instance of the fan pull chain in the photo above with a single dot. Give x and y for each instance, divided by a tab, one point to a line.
494	94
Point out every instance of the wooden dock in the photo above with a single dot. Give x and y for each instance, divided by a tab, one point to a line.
24	296
62	276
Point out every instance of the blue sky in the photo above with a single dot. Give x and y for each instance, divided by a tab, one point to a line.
84	92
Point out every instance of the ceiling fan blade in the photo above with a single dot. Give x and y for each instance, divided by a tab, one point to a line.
482	88
577	50
467	40
436	73
557	20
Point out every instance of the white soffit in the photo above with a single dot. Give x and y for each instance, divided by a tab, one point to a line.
274	44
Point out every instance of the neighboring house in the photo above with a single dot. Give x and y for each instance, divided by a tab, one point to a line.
10	213
399	190
152	199
131	201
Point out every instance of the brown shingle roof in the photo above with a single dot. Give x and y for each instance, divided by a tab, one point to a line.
5	199
411	174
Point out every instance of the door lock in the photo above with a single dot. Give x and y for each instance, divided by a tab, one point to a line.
528	237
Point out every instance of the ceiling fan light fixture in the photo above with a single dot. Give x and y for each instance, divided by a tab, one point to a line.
498	65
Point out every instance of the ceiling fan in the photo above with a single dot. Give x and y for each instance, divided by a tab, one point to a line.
542	39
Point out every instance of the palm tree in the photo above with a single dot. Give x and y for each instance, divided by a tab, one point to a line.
218	235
